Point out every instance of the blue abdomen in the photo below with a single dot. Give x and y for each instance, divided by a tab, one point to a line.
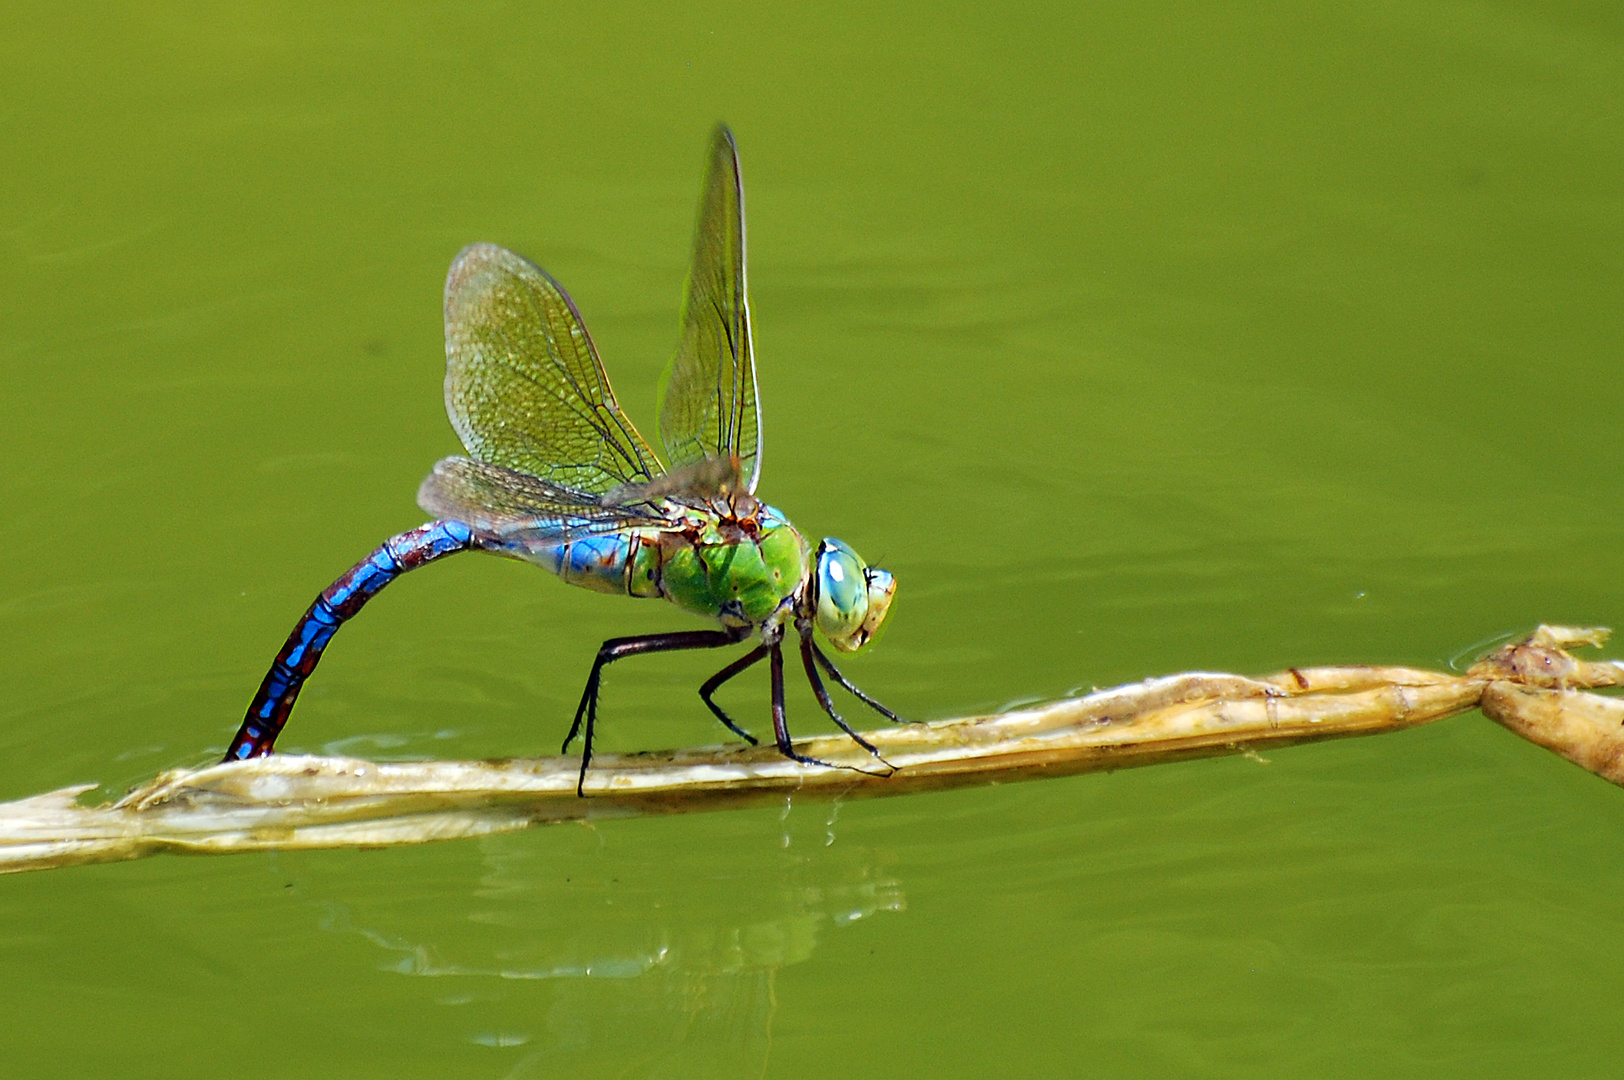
593	562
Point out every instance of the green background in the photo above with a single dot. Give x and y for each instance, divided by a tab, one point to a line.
1134	338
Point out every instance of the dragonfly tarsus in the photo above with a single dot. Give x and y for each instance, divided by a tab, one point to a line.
834	673
714	683
618	649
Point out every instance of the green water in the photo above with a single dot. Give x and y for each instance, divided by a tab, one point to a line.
1133	338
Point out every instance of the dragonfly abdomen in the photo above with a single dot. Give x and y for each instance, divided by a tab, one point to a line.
620	564
335	606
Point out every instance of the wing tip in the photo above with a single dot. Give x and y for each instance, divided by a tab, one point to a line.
469	263
724	148
477	254
477	259
428	492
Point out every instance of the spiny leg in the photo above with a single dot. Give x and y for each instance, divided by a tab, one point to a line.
619	648
834	673
823	696
714	683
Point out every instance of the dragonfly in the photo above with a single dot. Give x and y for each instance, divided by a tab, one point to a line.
557	475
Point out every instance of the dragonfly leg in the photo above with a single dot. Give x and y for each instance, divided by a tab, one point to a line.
714	683
618	649
834	673
780	723
781	726
336	605
823	697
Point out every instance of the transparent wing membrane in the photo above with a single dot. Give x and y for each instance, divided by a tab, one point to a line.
505	502
708	406
706	479
524	387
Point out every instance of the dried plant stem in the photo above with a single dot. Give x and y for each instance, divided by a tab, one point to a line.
1533	687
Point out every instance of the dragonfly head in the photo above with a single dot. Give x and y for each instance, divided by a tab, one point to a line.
852	598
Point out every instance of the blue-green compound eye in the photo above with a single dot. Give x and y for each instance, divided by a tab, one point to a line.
852	599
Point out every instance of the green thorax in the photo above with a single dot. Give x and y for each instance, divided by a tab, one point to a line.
739	566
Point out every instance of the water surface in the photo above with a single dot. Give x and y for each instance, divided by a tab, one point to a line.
1132	338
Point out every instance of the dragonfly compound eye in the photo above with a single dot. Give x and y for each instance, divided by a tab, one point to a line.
842	595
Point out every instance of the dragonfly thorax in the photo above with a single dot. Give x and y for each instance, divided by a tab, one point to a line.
742	565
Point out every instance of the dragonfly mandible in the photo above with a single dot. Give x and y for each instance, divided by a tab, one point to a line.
556	475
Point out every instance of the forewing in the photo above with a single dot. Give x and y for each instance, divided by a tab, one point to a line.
708	406
504	502
523	384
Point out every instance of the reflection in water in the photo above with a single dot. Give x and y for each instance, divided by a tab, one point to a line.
619	952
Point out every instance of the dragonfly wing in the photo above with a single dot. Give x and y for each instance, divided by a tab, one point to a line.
523	383
504	502
708	405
